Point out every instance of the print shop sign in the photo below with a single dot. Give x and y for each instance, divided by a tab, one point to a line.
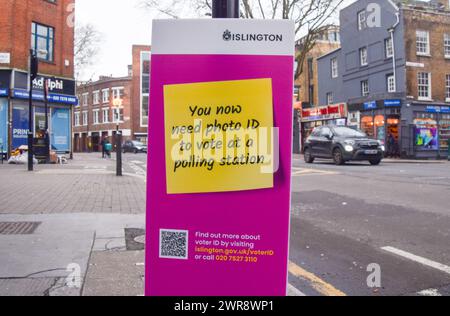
221	125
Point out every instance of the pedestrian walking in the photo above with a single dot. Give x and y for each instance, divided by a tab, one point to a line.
103	144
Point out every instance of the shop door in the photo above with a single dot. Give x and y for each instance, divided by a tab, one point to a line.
60	131
3	126
96	142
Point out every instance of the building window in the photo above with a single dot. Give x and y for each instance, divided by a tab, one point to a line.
362	20
365	88
85	118
96	97
105	116
363	56
105	96
117	115
391	83
96	114
389	48
424	85
330	98
85	99
423	43
447	45
145	86
117	92
77	118
334	68
42	41
447	88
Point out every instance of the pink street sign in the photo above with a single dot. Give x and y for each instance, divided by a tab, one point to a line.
217	220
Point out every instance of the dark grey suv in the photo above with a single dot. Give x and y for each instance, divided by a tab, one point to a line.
342	144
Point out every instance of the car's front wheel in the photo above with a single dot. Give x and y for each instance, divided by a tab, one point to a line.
375	162
338	157
308	156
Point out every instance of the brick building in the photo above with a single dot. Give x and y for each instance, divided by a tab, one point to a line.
47	27
306	85
393	71
141	91
98	117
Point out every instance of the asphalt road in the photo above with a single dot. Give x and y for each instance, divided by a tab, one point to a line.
345	218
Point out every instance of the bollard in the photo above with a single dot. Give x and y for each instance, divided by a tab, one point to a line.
119	154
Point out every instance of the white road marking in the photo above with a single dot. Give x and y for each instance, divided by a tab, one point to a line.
306	171
421	260
293	291
430	292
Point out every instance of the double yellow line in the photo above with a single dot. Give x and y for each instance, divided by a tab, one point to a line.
317	283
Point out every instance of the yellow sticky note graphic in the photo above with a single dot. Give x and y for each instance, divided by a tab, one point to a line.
219	136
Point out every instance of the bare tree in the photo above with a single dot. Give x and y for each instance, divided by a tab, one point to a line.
87	46
312	17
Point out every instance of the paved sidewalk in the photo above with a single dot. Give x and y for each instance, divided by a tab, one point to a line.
86	185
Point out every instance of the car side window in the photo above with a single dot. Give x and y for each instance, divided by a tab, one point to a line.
325	132
316	132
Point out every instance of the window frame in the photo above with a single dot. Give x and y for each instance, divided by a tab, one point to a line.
334	68
364	83
390	84
421	86
388	48
447	45
363	56
425	43
49	38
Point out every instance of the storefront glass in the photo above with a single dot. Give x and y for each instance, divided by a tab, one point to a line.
60	131
367	125
3	125
444	131
19	125
380	131
426	131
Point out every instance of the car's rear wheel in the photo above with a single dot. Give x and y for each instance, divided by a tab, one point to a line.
308	156
338	157
375	162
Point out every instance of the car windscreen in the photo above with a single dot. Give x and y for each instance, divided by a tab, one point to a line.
139	144
348	132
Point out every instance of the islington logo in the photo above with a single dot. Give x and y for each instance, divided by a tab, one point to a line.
240	37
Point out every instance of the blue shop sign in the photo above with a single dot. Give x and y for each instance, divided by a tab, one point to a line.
392	103
52	97
370	105
438	109
4	92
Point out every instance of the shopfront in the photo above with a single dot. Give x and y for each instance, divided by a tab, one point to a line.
380	120
431	131
335	114
61	98
5	76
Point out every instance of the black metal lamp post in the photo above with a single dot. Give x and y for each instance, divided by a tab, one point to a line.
33	74
225	9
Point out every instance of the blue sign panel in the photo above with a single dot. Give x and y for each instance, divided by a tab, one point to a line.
3	125
392	103
4	92
19	126
52	97
438	109
60	133
370	105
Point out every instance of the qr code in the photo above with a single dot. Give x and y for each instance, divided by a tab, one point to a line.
173	244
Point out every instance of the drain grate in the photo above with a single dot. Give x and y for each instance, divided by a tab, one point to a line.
18	228
135	239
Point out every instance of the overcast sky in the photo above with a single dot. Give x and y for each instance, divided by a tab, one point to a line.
121	23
